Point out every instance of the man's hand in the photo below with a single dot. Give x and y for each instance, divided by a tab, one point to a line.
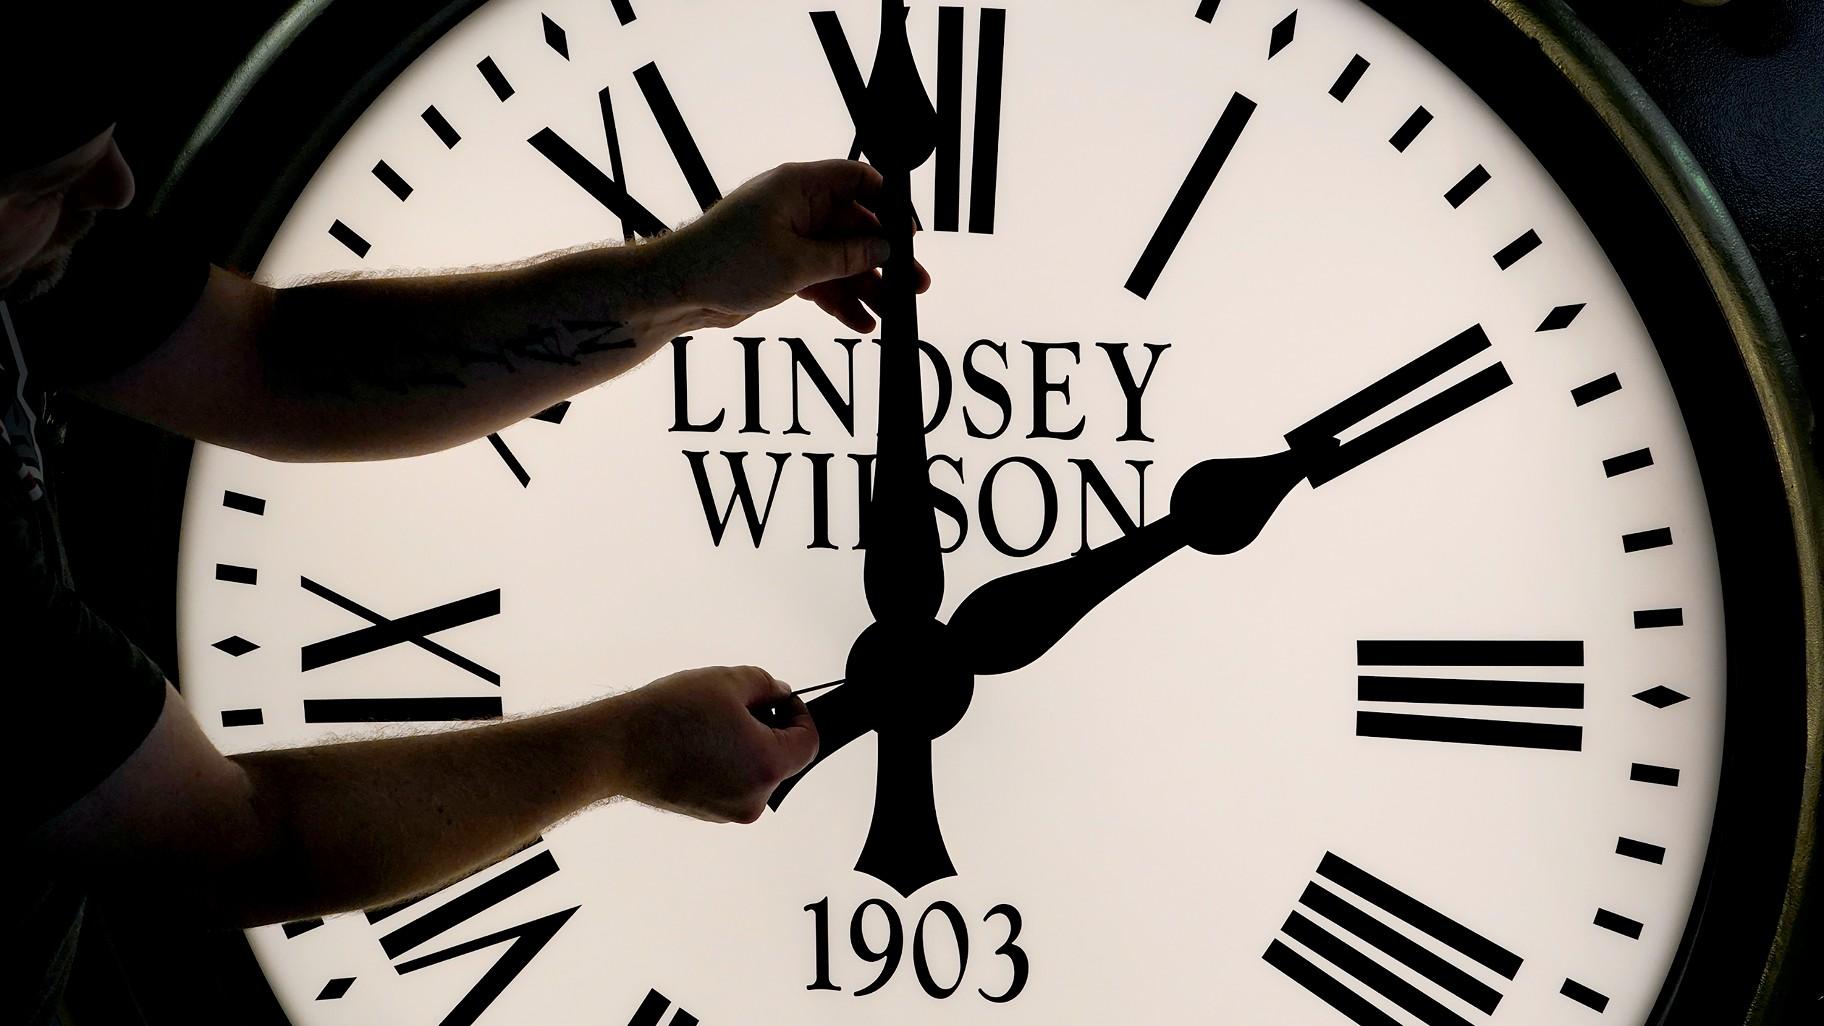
800	229
691	743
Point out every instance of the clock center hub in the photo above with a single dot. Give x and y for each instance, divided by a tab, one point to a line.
913	678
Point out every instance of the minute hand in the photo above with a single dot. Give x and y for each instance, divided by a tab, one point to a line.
1218	507
903	573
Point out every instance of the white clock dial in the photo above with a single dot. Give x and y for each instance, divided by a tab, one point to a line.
1441	745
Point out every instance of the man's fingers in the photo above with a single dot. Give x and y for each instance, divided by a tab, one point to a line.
846	256
831	297
797	738
852	179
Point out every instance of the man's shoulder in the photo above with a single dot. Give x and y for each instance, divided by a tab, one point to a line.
130	283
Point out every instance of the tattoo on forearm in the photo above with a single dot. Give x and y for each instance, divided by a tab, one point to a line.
348	364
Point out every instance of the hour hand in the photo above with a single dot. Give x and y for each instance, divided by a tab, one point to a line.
1218	507
841	716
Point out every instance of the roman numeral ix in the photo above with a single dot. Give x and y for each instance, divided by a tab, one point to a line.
385	632
985	151
1343	920
1448	657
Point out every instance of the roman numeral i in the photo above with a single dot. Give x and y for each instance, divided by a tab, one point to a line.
1449	657
985	149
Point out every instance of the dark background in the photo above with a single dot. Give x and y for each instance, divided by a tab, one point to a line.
1743	83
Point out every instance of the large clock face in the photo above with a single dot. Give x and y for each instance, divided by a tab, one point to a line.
1440	746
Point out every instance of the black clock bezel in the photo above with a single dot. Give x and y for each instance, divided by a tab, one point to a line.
1609	150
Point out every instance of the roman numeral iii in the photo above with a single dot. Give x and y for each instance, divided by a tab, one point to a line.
984	172
1438	684
1347	919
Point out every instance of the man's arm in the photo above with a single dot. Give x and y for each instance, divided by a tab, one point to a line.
374	368
274	836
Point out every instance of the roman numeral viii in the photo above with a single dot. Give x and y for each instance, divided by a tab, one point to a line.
1439	685
523	941
985	149
1343	920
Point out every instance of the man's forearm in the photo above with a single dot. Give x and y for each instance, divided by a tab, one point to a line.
377	368
366	823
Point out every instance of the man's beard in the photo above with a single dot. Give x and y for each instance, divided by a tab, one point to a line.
39	278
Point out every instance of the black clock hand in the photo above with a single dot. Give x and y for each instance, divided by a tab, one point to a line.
841	716
903	575
1218	507
903	684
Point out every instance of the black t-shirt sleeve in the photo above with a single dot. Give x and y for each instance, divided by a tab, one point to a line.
129	284
80	696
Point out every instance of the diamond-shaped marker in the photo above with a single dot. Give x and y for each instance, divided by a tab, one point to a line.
1282	34
553	415
1660	696
1560	318
235	646
336	988
555	37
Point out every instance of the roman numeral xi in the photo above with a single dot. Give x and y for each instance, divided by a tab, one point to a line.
1438	684
1342	940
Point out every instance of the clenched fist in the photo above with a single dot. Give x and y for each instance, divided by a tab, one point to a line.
800	229
691	742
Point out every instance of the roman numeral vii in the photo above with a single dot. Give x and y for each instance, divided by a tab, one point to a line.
1438	684
523	941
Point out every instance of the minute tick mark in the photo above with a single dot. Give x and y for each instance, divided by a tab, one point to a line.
1345	83
1411	129
441	125
1466	187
